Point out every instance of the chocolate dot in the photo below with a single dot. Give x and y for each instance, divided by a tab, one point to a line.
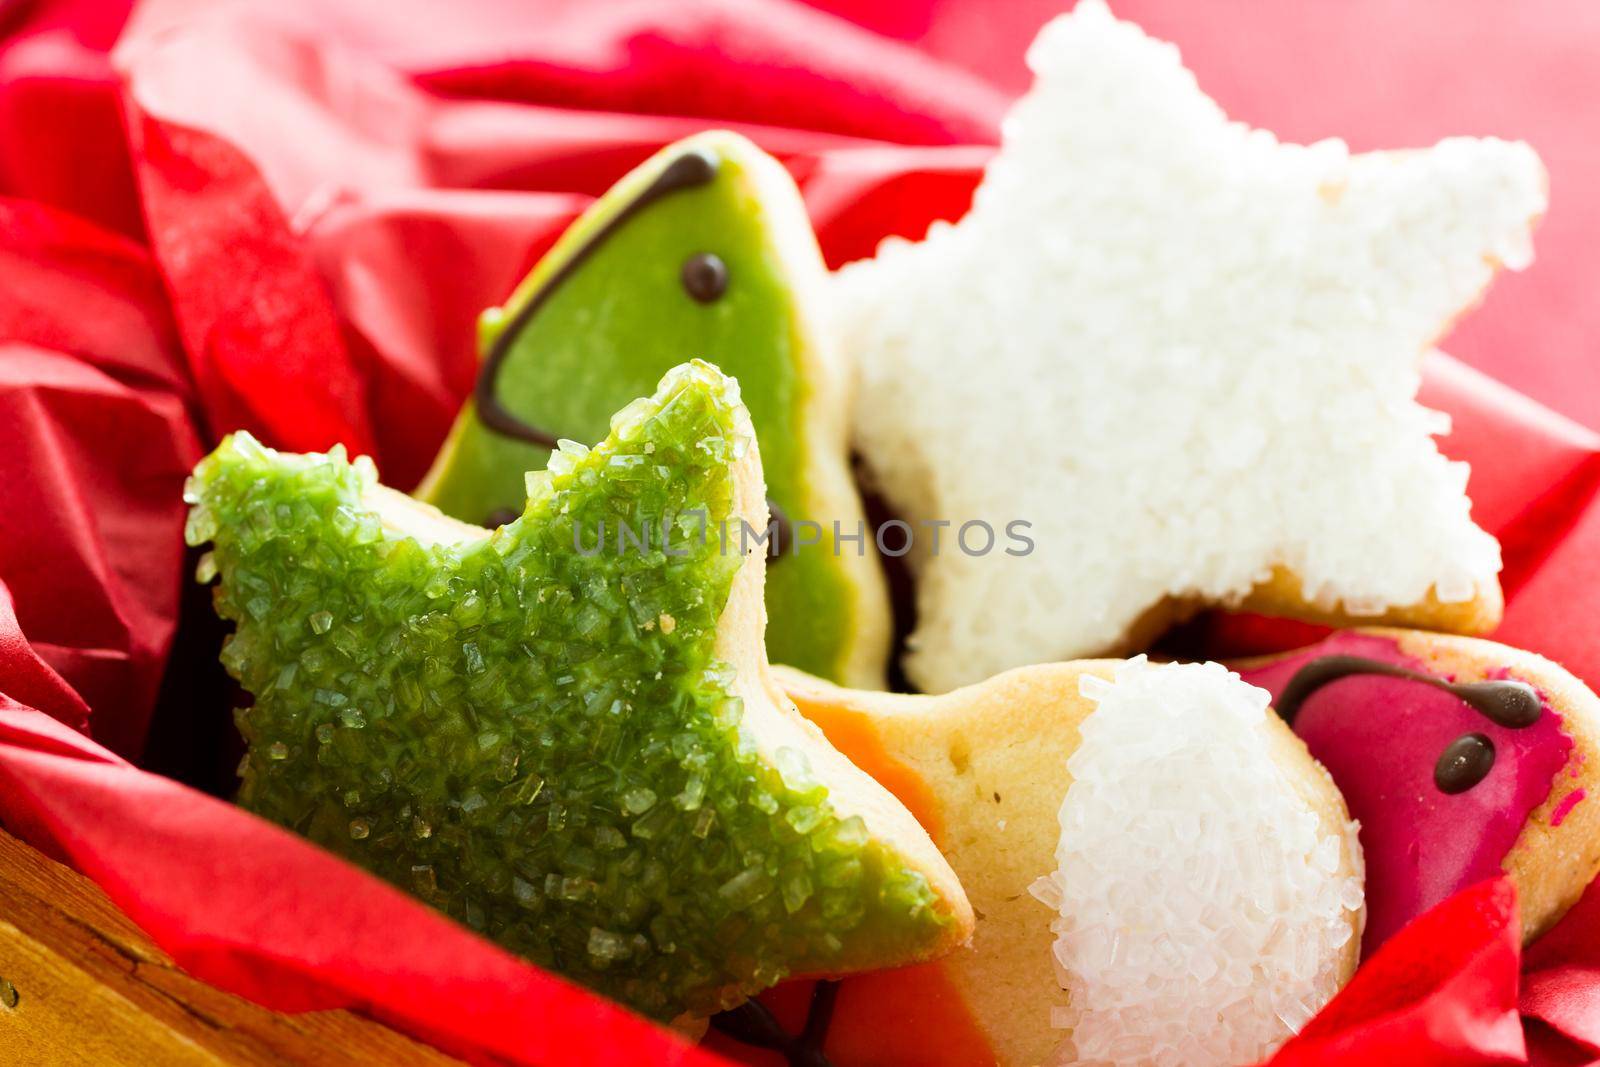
705	276
1507	703
1466	761
695	167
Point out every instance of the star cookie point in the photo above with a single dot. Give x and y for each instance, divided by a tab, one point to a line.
504	724
1187	354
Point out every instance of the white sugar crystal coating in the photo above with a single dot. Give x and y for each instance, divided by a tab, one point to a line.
1202	910
1183	351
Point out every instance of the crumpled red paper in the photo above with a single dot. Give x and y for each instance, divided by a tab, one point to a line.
239	901
286	217
1444	992
96	432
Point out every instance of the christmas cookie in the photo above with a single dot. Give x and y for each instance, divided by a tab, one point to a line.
572	747
1200	877
703	252
1460	758
1185	354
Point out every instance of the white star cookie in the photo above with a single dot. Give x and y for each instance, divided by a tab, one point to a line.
1187	355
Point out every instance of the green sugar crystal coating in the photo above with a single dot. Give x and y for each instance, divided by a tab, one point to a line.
610	329
538	742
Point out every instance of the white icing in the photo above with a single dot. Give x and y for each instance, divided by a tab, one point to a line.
1183	351
1202	911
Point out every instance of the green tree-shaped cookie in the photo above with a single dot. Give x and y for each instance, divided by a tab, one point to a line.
566	741
703	252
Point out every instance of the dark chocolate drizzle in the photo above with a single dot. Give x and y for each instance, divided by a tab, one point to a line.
782	530
752	1023
690	170
1465	762
704	277
1468	759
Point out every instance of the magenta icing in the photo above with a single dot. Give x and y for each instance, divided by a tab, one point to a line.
1380	738
1563	809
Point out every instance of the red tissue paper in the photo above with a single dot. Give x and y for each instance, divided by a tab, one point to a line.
286	217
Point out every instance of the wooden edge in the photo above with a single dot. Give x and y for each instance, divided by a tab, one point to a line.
81	984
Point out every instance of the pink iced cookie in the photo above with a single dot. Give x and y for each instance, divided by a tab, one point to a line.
1483	759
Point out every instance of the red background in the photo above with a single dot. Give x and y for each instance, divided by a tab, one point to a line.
1378	73
1396	73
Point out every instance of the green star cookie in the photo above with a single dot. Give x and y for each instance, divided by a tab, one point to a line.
569	745
705	252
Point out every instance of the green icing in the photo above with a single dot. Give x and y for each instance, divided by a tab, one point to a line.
506	727
621	317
